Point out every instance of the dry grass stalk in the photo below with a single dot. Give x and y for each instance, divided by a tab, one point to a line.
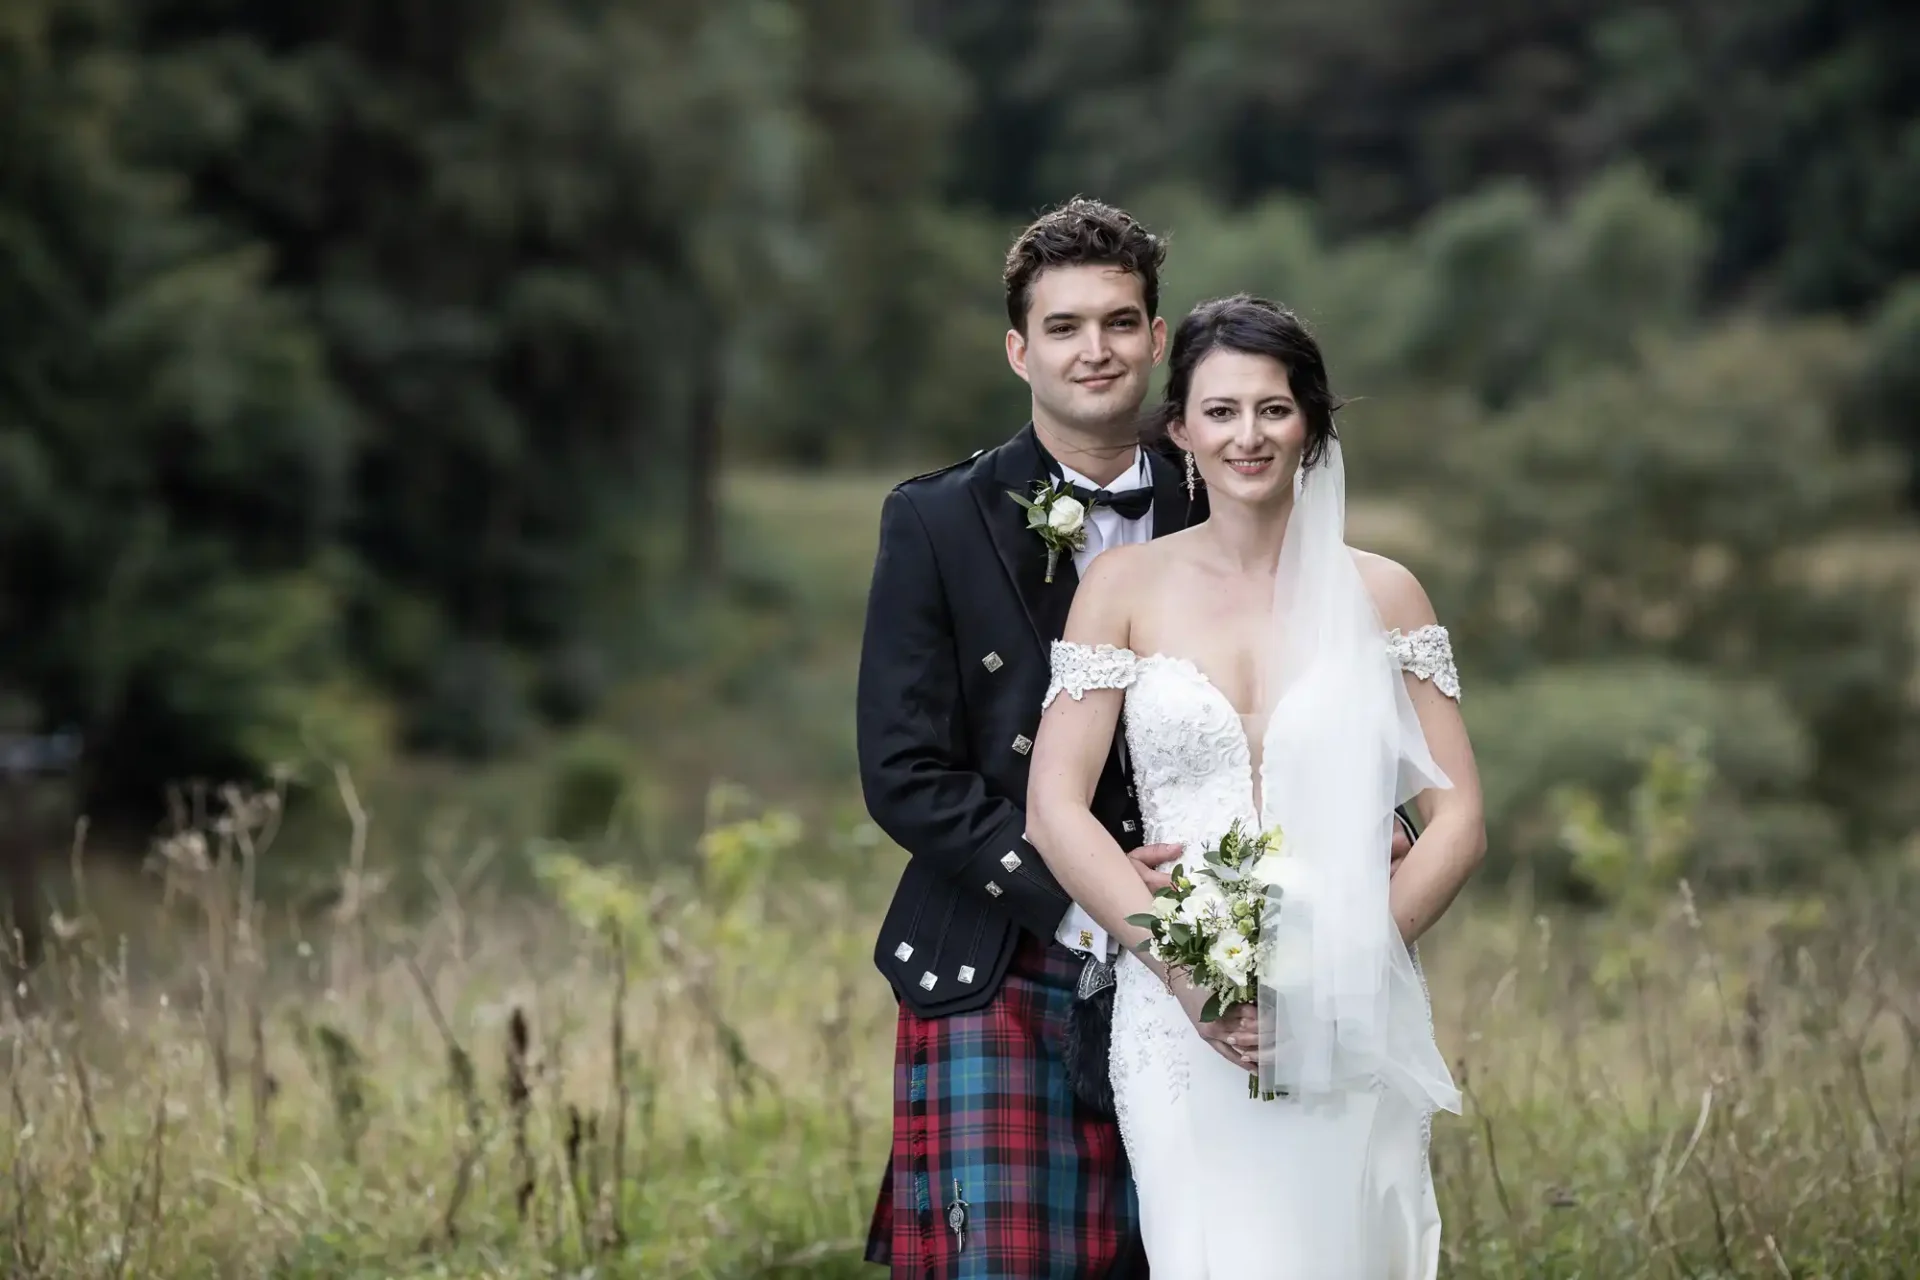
519	1110
611	1232
465	1084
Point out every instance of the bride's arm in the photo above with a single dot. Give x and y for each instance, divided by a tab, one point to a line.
1070	750
1453	838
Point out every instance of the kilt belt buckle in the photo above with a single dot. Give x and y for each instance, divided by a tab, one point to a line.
957	1219
1096	976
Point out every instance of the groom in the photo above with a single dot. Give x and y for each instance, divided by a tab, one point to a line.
1005	1162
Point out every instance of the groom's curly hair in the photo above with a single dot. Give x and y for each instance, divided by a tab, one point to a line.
1082	232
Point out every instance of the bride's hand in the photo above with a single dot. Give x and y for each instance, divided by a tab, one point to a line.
1234	1035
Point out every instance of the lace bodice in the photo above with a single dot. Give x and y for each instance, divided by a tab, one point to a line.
1192	763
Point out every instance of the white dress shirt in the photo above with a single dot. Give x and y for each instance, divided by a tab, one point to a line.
1105	528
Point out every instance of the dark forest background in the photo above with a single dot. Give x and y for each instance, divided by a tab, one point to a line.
372	374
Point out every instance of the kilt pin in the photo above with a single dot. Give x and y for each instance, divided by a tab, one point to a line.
997	1172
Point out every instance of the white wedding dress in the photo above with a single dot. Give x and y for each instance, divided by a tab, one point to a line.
1335	1187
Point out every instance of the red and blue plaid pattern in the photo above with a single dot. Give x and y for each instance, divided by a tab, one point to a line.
997	1173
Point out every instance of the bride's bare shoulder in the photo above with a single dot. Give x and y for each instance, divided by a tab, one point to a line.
1112	591
1397	594
1118	572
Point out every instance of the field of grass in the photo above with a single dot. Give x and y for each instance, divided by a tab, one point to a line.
686	1076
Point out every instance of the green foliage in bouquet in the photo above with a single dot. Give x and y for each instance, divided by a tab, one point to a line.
1208	920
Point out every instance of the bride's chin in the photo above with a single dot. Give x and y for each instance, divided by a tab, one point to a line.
1254	491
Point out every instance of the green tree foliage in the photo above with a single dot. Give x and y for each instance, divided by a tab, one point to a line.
174	460
1794	125
369	369
1685	507
1889	401
359	347
521	259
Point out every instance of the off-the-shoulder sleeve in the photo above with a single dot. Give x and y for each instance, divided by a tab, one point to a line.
1080	667
1427	652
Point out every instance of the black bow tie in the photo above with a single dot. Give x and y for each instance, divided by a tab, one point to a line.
1131	505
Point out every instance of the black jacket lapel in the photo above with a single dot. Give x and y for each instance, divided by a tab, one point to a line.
1017	465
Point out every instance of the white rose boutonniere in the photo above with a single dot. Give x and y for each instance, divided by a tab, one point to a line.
1058	517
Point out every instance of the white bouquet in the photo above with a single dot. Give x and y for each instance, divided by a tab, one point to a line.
1207	921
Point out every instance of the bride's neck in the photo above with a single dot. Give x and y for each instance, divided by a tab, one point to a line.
1249	538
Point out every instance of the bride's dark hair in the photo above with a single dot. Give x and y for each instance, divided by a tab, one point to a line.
1255	327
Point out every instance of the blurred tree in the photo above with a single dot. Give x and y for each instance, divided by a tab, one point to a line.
1507	299
1681	508
173	461
394	350
851	356
1889	401
1591	727
1378	109
1794	124
369	342
485	208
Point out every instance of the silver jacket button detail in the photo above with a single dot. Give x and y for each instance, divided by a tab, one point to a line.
966	973
1011	862
1023	744
926	981
992	662
903	952
994	889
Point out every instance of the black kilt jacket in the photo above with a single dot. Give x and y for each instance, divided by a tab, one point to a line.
953	667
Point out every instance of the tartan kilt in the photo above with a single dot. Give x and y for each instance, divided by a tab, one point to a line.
987	1134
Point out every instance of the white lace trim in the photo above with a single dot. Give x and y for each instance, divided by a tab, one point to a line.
1079	667
1427	652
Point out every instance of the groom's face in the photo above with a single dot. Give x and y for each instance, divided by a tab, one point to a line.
1089	346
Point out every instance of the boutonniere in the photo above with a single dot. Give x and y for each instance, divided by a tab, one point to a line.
1057	516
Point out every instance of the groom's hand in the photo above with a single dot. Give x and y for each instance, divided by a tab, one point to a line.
1147	860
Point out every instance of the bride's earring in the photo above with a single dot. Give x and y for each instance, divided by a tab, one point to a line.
1193	476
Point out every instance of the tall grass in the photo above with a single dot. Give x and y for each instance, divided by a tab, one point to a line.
688	1076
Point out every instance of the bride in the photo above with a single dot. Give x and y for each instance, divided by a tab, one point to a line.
1269	674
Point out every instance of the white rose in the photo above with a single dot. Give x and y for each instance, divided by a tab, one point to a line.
1065	516
1204	906
1231	956
1165	907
